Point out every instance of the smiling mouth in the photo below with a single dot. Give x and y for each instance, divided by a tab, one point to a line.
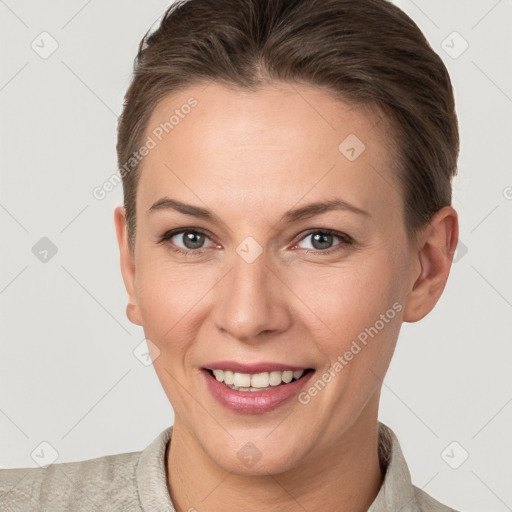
263	381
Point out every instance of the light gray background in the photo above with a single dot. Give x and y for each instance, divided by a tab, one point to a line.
68	374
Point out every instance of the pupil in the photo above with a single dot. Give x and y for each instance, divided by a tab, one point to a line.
193	240
324	240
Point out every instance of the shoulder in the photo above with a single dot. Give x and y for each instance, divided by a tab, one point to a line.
397	491
130	482
75	486
428	504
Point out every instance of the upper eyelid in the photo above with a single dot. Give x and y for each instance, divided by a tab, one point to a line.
299	238
343	237
173	232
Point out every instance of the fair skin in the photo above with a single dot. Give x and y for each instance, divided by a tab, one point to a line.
250	157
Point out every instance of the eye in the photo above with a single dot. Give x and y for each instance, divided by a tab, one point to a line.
186	241
191	241
322	240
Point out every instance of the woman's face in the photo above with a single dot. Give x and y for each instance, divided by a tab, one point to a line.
251	281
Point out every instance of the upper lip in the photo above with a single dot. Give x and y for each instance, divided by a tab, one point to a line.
260	367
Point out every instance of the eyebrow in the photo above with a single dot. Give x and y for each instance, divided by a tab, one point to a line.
294	215
312	209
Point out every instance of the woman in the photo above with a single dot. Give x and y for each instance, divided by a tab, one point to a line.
287	176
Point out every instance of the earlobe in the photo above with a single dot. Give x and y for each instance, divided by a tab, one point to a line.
434	255
127	262
132	313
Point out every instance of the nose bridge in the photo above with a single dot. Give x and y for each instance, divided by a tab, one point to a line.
250	301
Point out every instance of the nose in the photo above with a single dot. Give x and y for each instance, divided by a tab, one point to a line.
250	303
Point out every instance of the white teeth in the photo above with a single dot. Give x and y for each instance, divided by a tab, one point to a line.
242	380
275	378
260	380
229	377
287	376
256	381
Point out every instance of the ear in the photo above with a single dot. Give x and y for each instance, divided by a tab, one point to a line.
127	265
433	255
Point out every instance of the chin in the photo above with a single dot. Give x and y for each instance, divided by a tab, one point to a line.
258	458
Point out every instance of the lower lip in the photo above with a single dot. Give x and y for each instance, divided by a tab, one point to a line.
254	402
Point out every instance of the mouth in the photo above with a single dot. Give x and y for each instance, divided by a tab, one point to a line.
254	391
254	382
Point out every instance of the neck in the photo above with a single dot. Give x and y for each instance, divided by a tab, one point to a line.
346	477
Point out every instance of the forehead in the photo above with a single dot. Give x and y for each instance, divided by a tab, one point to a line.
247	117
282	139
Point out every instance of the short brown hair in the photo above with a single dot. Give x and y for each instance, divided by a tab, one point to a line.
365	51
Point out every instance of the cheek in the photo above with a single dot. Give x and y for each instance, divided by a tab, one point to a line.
356	312
335	303
347	299
169	299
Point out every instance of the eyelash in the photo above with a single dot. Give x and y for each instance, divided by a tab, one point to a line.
345	240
